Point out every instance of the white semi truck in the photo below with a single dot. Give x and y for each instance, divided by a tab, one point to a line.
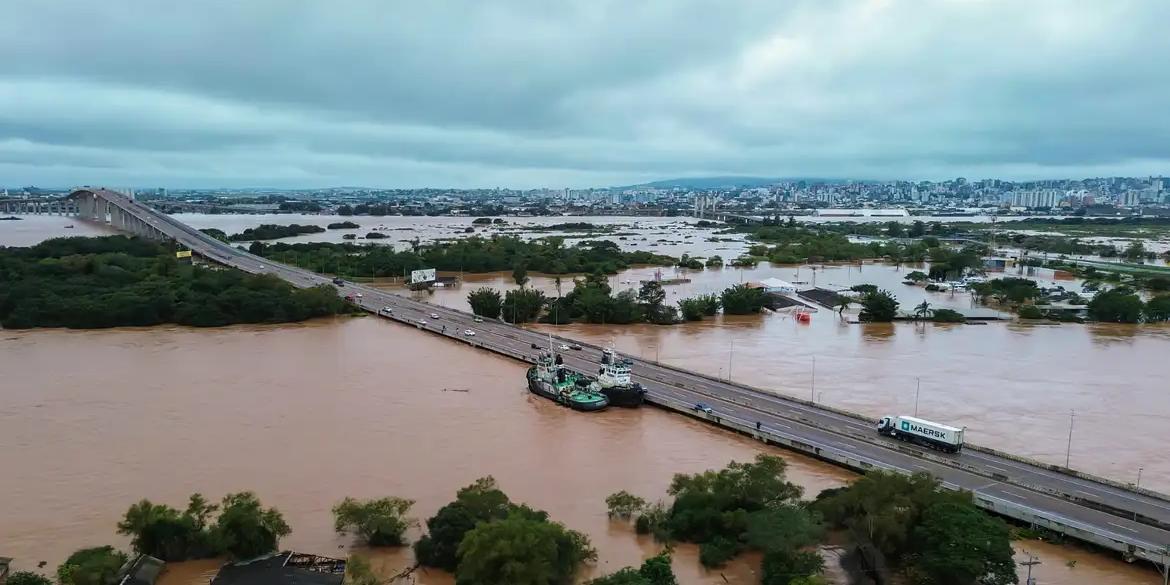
923	432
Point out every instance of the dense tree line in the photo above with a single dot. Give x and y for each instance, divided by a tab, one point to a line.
948	264
921	531
740	299
592	301
271	231
744	506
475	254
794	244
1007	290
113	281
695	308
485	539
1123	305
343	225
98	565
242	529
300	206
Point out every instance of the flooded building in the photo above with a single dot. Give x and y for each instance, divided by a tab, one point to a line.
284	568
141	570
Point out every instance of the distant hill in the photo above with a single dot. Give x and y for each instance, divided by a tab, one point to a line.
721	182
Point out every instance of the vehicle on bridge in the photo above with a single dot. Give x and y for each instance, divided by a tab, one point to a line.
338	282
387	311
702	407
468	333
922	432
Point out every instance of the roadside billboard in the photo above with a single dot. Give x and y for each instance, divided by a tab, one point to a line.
425	275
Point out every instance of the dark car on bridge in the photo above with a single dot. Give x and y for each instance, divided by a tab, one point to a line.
338	282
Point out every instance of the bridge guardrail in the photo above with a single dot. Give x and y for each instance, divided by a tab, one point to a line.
796	401
1128	546
748	402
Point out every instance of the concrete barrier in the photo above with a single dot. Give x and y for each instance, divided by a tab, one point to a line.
873	439
1128	547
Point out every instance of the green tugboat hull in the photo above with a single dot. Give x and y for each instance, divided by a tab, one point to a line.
584	401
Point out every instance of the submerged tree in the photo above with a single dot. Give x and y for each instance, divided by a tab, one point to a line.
245	529
481	501
91	566
522	549
878	306
741	299
624	505
485	302
380	522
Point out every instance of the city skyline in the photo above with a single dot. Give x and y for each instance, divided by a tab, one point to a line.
578	95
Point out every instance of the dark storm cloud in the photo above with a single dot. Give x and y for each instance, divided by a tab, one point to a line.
577	93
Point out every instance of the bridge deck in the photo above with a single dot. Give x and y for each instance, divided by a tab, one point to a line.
1133	522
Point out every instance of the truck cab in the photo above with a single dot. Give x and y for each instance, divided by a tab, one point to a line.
885	425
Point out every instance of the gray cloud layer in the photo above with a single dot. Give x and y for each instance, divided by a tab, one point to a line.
577	93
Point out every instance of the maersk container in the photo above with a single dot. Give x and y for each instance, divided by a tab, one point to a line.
923	432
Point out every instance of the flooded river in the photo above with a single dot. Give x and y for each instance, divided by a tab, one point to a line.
305	415
1012	384
308	414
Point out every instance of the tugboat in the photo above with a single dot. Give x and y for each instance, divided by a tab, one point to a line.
551	379
614	379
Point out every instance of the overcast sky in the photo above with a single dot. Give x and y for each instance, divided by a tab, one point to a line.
576	93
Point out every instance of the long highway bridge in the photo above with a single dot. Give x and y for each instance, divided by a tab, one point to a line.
1119	517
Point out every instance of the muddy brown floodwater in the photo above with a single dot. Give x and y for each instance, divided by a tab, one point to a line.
307	414
1013	385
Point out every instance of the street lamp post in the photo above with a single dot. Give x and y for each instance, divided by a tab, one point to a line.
730	354
1072	415
812	391
917	391
1032	561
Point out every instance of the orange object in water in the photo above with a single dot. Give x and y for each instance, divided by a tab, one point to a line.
803	317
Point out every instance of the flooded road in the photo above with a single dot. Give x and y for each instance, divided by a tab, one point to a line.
1014	385
308	414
